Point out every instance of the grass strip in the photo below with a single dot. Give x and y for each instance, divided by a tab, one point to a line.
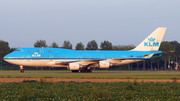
96	75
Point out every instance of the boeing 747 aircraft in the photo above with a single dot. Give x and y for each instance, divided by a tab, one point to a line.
83	60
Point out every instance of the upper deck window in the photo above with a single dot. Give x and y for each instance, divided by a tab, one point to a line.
34	51
48	51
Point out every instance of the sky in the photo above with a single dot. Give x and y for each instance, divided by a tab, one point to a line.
121	22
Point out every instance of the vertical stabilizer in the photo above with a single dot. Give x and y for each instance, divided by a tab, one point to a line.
153	41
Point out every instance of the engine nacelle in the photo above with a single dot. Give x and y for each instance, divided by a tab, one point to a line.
73	66
104	64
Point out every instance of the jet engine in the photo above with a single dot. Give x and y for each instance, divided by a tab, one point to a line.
104	64
73	66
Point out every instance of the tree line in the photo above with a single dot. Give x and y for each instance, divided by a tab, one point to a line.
167	61
92	45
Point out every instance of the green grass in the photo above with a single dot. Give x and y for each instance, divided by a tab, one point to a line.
35	71
86	91
94	75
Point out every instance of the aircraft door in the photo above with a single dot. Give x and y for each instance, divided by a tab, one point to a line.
42	51
42	61
28	57
51	57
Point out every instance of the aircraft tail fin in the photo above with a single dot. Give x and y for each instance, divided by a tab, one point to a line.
153	41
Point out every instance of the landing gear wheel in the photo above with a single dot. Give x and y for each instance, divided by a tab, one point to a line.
75	71
86	71
89	71
83	71
22	70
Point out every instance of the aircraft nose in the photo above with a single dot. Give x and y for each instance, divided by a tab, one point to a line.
6	57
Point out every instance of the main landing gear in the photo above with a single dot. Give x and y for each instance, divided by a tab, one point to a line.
21	69
82	71
75	71
86	71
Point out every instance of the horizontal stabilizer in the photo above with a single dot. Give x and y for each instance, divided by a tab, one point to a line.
149	56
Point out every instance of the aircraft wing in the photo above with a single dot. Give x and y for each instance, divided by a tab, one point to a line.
96	61
90	62
63	62
82	62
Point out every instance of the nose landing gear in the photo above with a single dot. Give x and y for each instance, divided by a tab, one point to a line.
21	69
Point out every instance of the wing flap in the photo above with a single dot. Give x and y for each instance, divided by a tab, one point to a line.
63	62
82	62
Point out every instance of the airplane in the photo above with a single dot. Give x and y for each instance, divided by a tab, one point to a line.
84	60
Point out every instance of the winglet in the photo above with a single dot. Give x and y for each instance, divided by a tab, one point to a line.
153	41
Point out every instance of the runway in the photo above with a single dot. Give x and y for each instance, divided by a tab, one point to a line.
52	71
98	71
7	80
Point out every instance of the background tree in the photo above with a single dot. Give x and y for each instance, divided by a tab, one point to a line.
79	46
106	45
12	49
92	45
4	50
54	45
123	47
156	60
67	45
176	46
40	43
166	47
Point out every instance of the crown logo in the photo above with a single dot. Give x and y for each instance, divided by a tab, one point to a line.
151	39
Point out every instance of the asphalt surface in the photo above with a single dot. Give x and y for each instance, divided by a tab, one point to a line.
99	72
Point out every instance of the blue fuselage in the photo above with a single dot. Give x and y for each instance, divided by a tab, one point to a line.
57	53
